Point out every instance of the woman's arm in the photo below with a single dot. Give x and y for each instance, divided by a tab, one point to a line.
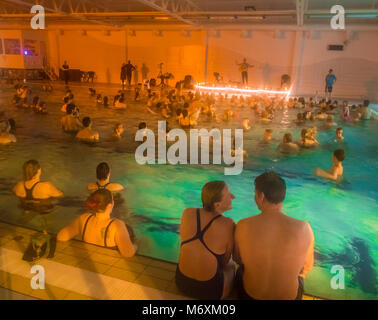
123	241
70	231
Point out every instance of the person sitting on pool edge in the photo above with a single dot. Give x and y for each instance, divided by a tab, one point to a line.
98	228
87	134
70	123
207	238
103	177
287	146
33	193
336	171
274	251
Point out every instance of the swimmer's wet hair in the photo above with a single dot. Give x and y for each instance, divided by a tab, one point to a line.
102	171
268	130
272	186
86	122
30	169
99	200
339	154
287	138
211	193
142	125
339	129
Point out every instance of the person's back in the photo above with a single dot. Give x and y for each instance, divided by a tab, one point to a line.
207	238
103	177
87	134
272	247
98	228
70	122
33	193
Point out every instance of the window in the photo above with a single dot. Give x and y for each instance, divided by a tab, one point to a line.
30	48
12	46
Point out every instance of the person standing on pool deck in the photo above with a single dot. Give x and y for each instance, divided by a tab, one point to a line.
330	79
123	75
243	68
66	71
129	70
274	251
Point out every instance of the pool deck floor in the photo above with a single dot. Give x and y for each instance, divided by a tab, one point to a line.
81	271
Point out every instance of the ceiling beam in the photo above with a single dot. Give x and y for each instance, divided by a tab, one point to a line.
166	5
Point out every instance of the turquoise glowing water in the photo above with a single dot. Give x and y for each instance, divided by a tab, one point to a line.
343	217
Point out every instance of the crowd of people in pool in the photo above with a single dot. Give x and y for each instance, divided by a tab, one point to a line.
271	252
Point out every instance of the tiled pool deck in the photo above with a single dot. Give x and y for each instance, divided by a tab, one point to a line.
82	271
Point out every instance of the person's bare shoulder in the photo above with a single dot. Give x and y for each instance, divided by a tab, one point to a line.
115	187
17	189
92	186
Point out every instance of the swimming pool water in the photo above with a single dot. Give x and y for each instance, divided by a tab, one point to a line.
343	217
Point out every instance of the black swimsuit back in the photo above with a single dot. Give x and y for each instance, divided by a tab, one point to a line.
210	289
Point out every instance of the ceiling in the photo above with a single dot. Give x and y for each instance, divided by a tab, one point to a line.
197	13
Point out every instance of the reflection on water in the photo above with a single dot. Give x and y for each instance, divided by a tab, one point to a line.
343	216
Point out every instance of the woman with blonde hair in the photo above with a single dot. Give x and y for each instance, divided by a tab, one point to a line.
207	238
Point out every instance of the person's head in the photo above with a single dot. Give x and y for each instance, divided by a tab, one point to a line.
338	156
66	99
129	61
178	111
339	132
287	138
100	201
186	105
103	171
118	128
185	113
158	105
270	189
106	100
268	133
330	70
216	197
303	133
65	62
70	108
12	124
245	60
86	122
142	125
31	169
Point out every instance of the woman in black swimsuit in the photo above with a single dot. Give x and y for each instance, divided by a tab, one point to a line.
205	270
34	194
98	228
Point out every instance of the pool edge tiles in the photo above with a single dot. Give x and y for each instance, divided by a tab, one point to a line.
152	280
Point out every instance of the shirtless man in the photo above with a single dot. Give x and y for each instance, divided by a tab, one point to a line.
69	122
336	171
103	177
275	251
33	193
87	134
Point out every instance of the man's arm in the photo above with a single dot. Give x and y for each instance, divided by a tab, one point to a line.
330	174
309	262
70	231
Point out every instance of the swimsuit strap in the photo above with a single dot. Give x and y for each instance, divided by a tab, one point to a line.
102	187
202	234
196	236
85	227
29	192
106	232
